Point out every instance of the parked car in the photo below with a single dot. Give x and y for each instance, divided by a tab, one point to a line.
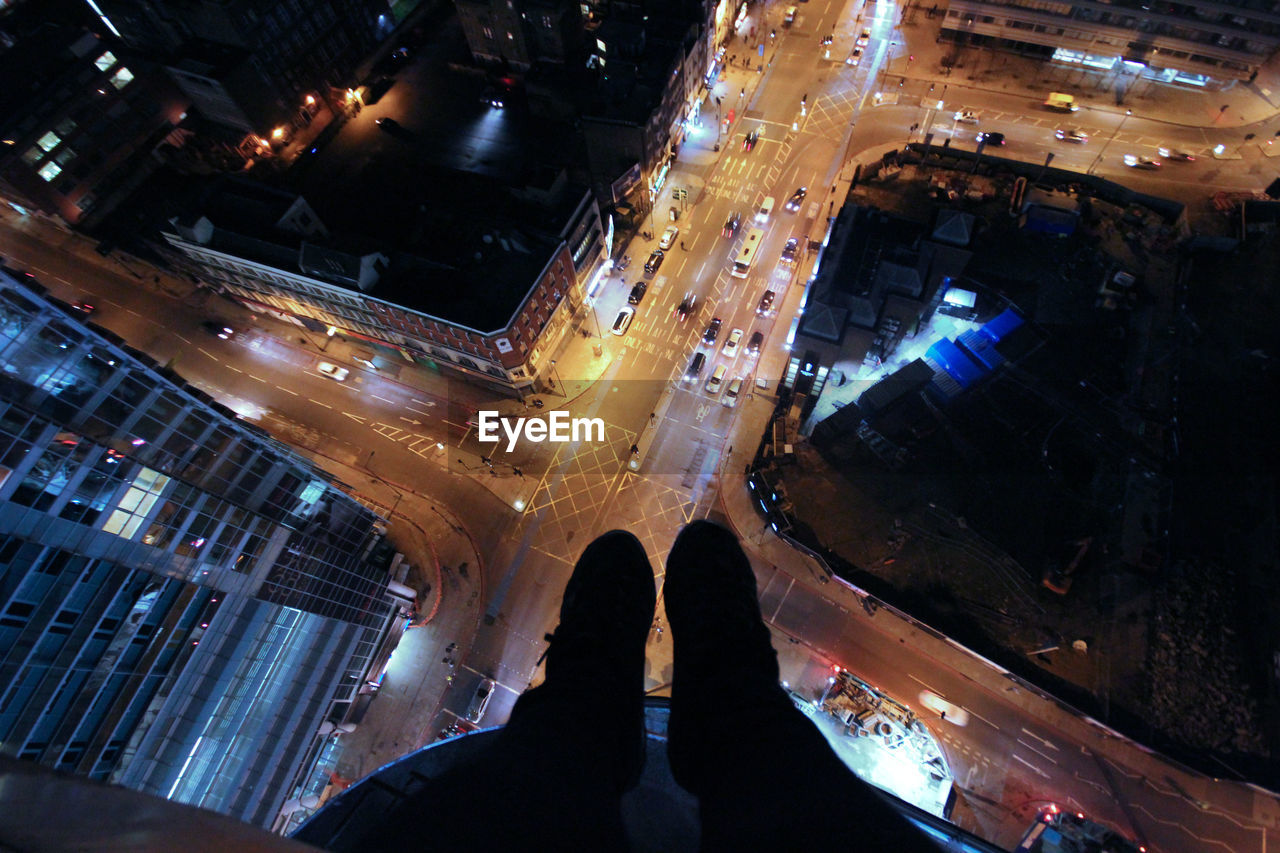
1175	153
712	332
1071	134
1141	161
790	17
730	348
669	237
655	261
797	199
753	345
686	307
637	293
480	700
749	141
623	321
991	137
732	224
333	371
967	115
791	250
766	303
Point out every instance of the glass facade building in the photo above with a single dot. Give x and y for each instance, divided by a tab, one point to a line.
184	602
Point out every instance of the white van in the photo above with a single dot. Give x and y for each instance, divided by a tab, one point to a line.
732	392
765	211
716	380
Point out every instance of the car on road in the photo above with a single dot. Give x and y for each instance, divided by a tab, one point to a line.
637	293
730	348
951	713
753	345
84	307
766	303
1141	161
712	332
623	321
790	17
1175	153
864	37
731	225
686	307
219	328
694	369
480	700
389	124
732	393
791	250
991	137
797	199
655	261
494	97
855	57
1071	134
716	380
333	371
749	141
965	115
669	237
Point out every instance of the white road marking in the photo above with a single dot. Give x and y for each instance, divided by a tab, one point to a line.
294	393
931	688
1035	736
1023	743
318	403
383	399
1029	764
357	418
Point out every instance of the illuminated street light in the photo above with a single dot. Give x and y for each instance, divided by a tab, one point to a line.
1116	133
278	133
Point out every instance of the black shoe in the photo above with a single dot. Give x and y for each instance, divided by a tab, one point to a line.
599	644
721	641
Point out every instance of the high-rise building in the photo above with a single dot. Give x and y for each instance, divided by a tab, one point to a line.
521	34
79	118
1199	43
249	64
184	602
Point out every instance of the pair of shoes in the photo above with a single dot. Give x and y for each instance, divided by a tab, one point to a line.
599	644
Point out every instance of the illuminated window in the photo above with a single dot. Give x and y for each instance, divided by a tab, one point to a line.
105	61
121	78
50	170
133	508
49	141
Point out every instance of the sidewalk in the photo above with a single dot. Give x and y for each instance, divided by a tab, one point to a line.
448	575
1239	105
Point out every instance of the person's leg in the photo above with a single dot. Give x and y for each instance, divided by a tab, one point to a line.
554	777
764	776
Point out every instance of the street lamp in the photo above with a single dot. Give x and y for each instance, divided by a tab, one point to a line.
556	374
1114	134
328	337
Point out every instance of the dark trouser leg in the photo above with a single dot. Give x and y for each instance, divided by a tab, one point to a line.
553	778
764	776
